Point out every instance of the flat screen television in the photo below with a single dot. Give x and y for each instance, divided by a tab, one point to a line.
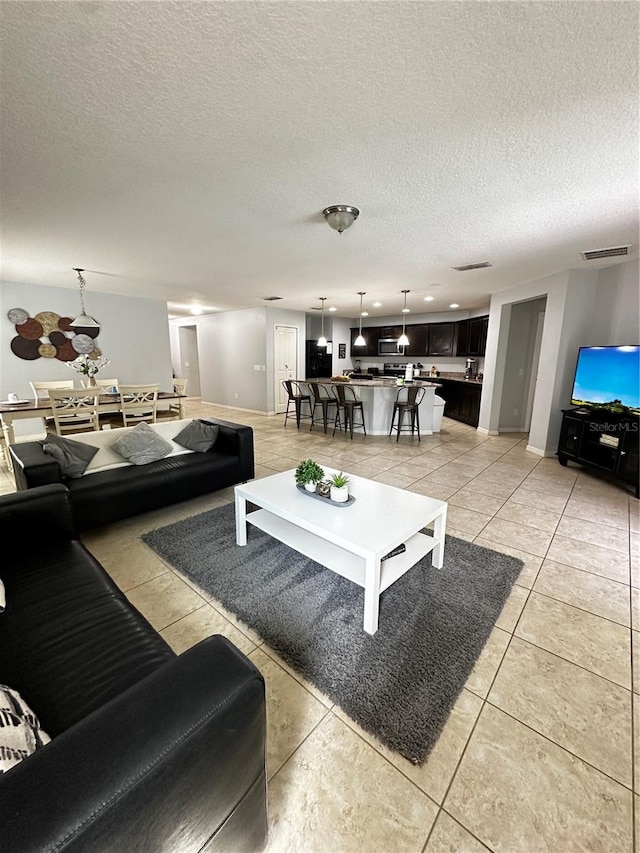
607	377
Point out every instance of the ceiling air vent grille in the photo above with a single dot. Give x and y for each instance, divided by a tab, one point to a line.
271	298
605	253
481	265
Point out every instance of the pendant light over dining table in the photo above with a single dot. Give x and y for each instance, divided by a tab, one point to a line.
83	321
403	340
322	341
360	341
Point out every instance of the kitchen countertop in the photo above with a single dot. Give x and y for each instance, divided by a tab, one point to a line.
376	383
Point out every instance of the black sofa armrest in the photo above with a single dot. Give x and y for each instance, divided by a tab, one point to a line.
235	440
166	766
42	514
32	466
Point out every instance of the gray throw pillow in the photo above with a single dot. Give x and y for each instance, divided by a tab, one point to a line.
72	456
198	436
142	445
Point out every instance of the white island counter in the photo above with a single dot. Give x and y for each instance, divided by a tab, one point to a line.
378	397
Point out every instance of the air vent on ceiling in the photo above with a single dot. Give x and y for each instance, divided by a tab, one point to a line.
271	298
481	265
596	254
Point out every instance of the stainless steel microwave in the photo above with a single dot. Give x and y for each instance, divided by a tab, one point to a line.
389	346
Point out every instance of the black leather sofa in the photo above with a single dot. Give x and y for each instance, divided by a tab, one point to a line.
108	496
150	752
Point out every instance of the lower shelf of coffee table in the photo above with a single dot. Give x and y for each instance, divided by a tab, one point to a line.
339	559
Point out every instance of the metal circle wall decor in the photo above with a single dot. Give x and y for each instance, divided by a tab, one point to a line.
48	335
47	350
82	344
18	315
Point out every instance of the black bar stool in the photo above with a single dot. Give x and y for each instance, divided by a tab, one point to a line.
349	404
322	397
408	400
296	396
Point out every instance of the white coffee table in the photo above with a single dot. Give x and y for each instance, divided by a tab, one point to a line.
352	540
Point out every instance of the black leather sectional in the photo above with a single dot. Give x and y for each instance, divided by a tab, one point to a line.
108	496
149	751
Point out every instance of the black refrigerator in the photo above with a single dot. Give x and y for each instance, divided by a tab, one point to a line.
318	362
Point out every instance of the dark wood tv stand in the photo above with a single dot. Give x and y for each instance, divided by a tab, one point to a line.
602	441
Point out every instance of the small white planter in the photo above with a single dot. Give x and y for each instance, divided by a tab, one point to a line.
340	495
310	487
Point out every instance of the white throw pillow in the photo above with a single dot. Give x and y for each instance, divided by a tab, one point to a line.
20	732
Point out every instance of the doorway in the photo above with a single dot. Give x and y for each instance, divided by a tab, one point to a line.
285	358
533	378
189	359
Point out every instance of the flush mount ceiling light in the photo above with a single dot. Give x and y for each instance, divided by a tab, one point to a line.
403	340
377	304
428	298
360	341
341	216
83	321
454	305
322	341
333	308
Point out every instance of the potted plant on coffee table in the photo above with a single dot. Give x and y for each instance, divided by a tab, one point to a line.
308	474
339	487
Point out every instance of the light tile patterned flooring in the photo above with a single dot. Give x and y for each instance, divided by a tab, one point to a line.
537	754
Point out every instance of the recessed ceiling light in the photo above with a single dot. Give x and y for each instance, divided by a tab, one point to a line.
428	298
377	304
333	308
454	305
365	314
406	310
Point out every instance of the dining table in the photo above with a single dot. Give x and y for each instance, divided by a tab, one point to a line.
41	408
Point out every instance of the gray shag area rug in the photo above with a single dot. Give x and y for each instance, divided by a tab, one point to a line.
399	684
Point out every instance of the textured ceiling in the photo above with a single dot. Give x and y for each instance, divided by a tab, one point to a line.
185	150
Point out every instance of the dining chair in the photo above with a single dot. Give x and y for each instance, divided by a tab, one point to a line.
296	395
107	417
100	383
73	410
40	392
408	400
138	403
322	397
348	404
174	410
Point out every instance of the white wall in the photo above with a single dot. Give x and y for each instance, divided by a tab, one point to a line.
618	303
584	307
134	335
230	345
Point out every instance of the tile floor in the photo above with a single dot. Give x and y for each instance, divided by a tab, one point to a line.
538	753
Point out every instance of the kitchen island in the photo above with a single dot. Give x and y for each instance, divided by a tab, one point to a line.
378	397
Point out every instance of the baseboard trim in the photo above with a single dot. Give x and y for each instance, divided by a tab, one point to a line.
539	452
235	408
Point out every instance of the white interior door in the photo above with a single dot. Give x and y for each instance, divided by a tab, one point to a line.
286	361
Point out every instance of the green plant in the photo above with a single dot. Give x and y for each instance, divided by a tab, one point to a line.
339	480
308	471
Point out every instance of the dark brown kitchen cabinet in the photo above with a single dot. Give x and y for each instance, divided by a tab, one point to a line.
472	336
371	336
418	335
442	338
461	400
